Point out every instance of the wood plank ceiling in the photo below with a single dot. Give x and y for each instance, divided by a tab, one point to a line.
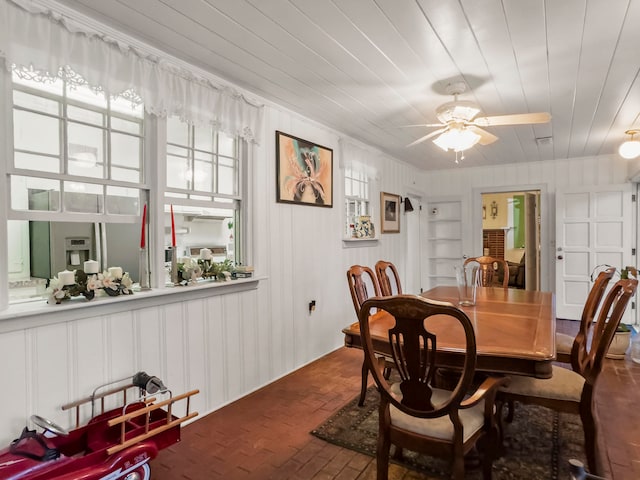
368	67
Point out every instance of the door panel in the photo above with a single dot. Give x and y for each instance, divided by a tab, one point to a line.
593	227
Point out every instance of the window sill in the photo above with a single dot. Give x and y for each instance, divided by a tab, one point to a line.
19	316
359	242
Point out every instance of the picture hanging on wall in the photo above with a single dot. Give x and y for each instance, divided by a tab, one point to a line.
390	212
304	172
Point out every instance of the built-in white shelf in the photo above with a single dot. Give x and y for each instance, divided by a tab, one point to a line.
445	240
359	242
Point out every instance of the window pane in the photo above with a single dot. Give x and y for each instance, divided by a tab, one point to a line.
40	163
175	195
125	150
32	262
35	102
35	194
85	145
177	131
126	126
226	145
85	115
83	197
226	180
203	176
126	175
177	172
203	138
201	197
177	151
123	201
214	232
36	133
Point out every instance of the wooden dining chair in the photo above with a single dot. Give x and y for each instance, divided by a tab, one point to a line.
362	285
413	414
489	267
565	343
388	278
572	390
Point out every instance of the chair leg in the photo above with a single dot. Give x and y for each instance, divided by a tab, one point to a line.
500	429
363	388
382	456
510	410
590	441
490	452
457	466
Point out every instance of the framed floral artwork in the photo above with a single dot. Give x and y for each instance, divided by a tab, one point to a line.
390	212
304	172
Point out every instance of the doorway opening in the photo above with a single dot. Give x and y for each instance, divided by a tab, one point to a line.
511	231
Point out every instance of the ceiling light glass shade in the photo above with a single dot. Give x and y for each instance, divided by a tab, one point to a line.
457	139
630	149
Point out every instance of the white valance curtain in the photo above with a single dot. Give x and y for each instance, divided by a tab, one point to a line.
34	37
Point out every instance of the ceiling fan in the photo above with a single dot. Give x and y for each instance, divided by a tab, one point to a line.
460	127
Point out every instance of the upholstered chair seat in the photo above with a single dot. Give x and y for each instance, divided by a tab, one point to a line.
472	418
564	343
564	385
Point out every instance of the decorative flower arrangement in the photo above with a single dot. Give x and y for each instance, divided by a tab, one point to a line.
190	269
87	285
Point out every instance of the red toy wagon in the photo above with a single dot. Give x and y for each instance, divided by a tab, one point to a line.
115	444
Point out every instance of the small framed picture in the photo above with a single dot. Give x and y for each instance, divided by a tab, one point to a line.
390	212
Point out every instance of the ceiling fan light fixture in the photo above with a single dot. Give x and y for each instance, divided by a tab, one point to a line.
457	139
631	148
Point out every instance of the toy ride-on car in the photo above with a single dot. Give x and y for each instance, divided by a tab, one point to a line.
116	443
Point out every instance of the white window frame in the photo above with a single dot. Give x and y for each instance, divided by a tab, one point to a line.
176	196
13	170
359	204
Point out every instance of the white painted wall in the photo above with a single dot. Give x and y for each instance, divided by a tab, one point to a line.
547	176
226	345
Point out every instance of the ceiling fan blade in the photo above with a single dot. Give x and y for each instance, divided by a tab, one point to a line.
485	137
514	119
428	136
424	125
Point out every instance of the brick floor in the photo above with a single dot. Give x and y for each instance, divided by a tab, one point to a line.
265	435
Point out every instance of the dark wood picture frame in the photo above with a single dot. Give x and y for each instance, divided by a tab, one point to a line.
389	212
304	172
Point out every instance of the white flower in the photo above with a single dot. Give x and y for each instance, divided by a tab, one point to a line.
109	282
93	283
126	281
56	296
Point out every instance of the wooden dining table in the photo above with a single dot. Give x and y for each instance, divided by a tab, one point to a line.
515	331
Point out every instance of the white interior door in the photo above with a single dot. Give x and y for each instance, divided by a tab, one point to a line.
593	227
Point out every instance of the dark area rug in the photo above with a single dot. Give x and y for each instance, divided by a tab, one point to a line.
538	444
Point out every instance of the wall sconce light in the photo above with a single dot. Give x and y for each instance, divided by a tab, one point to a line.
494	209
407	205
631	148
